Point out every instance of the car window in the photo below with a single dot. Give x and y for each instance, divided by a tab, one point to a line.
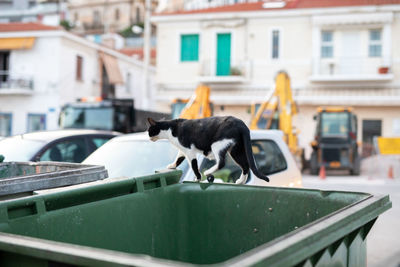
72	150
269	159
99	141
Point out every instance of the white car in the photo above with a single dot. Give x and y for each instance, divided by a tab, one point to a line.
134	155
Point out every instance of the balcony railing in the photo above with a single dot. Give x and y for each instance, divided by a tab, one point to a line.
352	68
224	71
13	83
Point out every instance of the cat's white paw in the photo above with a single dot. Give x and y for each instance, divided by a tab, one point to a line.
171	166
238	181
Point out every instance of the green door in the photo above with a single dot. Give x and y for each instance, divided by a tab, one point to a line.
223	54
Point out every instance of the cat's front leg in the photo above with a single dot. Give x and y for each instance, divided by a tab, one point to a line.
178	160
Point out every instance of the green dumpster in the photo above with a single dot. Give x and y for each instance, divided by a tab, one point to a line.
22	177
155	221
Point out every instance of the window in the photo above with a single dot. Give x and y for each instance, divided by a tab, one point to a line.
190	47
96	17
128	82
116	14
335	124
370	129
375	43
36	122
5	124
79	67
99	141
138	15
4	66
268	156
72	150
327	44
275	44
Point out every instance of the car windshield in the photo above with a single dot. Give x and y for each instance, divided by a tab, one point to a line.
335	124
134	158
88	118
19	149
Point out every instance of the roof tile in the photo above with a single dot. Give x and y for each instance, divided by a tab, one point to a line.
30	26
290	4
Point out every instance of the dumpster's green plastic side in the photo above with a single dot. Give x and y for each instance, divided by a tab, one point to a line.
195	223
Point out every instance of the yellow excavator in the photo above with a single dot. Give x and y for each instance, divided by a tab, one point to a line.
197	107
277	113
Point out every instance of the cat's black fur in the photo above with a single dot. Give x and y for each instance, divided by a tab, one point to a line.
213	135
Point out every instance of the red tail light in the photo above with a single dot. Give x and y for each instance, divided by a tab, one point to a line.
353	136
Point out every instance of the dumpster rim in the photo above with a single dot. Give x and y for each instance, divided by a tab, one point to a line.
42	248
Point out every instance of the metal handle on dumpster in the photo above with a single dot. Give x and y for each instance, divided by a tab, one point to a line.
25	209
157	180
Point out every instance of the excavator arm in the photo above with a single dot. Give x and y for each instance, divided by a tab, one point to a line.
197	107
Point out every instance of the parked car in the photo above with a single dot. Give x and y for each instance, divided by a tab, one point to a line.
135	155
61	145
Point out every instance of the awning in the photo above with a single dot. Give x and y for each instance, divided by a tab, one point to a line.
112	68
16	43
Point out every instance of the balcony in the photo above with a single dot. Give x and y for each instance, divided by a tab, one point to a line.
212	71
12	84
351	69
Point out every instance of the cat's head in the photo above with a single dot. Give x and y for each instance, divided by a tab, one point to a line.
157	129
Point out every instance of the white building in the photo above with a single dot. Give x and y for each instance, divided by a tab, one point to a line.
336	53
44	67
47	12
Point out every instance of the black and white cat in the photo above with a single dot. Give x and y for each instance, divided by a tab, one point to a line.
213	137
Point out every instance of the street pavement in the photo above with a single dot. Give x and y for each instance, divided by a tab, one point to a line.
383	242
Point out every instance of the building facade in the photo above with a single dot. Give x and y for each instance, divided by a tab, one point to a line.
49	12
335	52
43	67
103	16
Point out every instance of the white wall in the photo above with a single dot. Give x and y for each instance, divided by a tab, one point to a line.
52	64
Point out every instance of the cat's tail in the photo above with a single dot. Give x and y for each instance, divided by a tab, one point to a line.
250	156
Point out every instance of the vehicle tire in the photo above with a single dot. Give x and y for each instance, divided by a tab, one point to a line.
356	167
314	168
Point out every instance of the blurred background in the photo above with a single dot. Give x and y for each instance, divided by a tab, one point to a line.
326	73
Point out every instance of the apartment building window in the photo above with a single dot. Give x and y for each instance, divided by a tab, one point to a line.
128	82
36	122
96	17
327	44
116	14
5	124
79	68
189	47
76	16
138	15
4	66
275	44
375	43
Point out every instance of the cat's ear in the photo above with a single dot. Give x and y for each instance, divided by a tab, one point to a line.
151	121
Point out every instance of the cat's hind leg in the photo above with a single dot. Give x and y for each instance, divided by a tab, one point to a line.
219	150
178	160
239	156
195	168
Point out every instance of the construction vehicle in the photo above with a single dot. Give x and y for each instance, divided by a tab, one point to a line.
277	113
197	107
106	114
335	142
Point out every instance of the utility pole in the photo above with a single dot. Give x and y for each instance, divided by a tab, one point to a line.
146	94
